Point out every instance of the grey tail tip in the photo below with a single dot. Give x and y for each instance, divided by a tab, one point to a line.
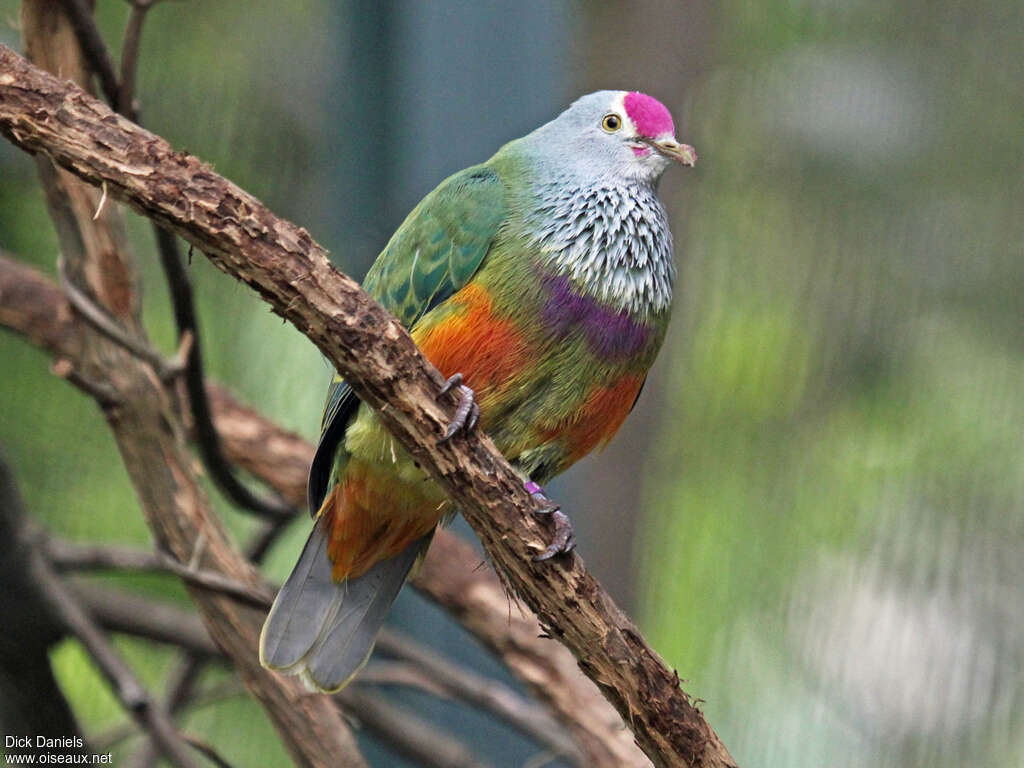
322	630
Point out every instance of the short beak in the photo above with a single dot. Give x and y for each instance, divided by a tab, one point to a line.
670	148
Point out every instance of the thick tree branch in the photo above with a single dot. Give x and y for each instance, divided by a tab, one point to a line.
40	113
149	434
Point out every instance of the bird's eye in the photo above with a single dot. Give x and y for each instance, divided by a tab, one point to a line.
611	122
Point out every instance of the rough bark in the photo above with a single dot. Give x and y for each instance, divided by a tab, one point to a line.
148	430
40	113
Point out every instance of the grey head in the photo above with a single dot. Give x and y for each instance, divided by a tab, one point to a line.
608	137
588	197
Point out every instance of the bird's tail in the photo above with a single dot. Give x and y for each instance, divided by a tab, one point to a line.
324	630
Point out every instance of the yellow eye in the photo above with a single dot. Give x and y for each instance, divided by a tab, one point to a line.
611	122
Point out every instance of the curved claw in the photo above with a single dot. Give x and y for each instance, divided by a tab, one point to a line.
564	540
467	412
453	381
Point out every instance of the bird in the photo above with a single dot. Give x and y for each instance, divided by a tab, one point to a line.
540	283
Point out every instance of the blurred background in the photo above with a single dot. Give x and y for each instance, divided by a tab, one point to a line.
816	511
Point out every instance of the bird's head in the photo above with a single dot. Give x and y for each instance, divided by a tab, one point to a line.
624	134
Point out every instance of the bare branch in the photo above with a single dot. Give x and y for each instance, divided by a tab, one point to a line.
181	684
422	742
264	538
395	728
207	750
485	693
125	103
68	556
122	97
476	598
227	688
206	436
80	13
150	715
94	314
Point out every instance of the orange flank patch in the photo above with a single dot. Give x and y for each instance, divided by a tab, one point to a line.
600	417
486	350
367	520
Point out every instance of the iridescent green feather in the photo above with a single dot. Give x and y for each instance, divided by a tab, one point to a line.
437	250
440	245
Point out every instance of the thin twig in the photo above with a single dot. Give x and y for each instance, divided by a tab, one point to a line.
98	318
402	674
264	539
105	395
66	556
402	731
89	37
129	60
207	438
207	750
149	714
487	694
181	684
227	688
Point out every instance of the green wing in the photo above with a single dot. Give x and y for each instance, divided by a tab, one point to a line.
440	245
435	252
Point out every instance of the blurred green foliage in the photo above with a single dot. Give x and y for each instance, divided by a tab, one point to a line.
845	393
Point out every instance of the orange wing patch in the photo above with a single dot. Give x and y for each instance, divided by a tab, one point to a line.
488	351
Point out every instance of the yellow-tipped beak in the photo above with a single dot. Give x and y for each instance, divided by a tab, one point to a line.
682	153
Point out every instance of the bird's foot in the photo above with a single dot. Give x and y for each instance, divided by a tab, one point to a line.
564	540
467	412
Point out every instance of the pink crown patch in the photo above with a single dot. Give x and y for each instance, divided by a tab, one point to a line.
649	115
